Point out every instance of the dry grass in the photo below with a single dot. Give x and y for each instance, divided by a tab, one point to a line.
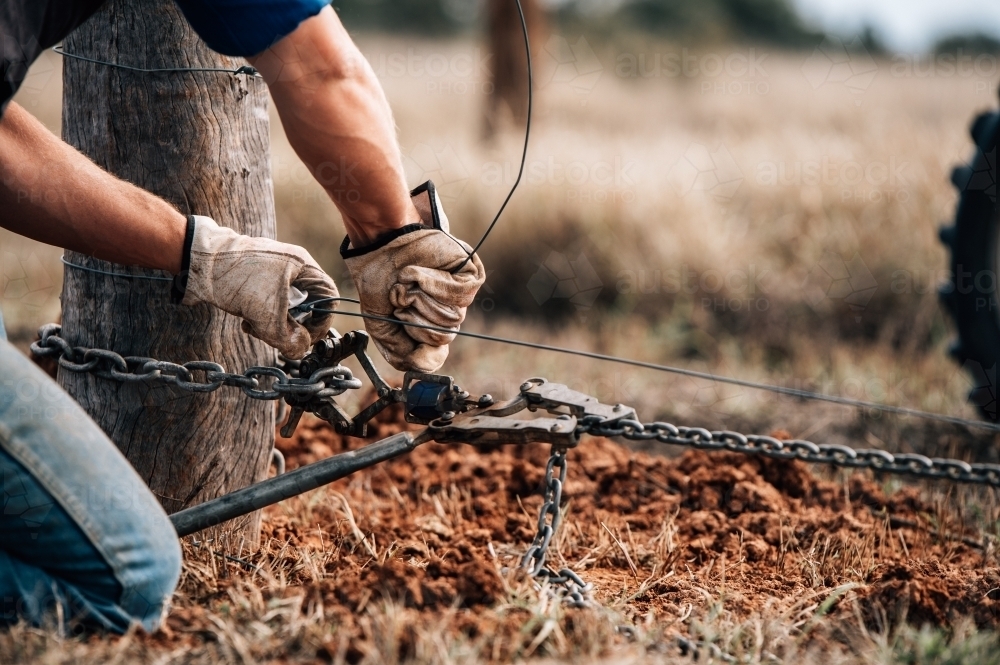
298	599
614	184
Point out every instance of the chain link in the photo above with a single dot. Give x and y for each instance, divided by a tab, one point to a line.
567	585
906	464
325	382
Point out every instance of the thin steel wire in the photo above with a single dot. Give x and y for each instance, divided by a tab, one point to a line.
245	69
781	390
524	152
114	274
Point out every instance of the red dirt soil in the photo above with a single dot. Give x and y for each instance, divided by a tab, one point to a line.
658	537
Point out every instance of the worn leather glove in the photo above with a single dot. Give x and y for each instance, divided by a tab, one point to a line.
406	274
253	278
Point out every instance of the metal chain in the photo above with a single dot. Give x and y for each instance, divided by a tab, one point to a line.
567	585
907	464
325	382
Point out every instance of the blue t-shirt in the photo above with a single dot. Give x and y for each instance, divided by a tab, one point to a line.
246	27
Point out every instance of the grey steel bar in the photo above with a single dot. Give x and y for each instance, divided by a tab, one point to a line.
293	483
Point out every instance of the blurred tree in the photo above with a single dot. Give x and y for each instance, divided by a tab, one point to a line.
772	22
872	42
429	17
508	100
974	44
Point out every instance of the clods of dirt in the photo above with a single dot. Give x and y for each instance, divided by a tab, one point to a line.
668	532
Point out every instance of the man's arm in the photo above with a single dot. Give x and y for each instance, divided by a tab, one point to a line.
338	120
53	194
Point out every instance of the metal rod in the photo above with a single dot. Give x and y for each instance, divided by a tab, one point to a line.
293	483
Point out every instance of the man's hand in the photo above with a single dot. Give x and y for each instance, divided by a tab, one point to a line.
251	278
407	274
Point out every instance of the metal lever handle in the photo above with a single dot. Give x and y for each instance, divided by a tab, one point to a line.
292	483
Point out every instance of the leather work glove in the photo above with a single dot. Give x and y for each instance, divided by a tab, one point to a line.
406	274
254	279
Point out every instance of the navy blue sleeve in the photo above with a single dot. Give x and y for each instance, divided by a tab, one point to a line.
246	27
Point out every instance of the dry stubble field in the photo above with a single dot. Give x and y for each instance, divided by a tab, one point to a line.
764	222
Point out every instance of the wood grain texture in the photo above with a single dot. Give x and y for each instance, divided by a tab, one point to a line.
199	140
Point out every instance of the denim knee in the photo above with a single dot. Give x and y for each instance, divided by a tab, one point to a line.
47	560
147	601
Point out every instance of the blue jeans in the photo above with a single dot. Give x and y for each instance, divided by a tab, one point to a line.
83	541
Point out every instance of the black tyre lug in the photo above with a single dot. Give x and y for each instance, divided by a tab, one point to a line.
972	242
961	175
982	127
947	235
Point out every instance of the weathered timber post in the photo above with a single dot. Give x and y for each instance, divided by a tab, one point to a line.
199	140
509	76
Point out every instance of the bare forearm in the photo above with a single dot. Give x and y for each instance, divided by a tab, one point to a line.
52	193
337	119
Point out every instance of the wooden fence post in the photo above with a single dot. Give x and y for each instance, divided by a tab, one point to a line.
200	141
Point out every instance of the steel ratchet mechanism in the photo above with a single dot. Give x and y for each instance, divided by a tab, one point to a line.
451	414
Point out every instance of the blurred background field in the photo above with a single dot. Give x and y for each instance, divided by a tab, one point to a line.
718	186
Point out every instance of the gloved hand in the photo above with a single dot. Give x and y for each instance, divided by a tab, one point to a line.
406	274
251	278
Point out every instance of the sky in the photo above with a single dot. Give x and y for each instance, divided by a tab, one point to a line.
904	25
